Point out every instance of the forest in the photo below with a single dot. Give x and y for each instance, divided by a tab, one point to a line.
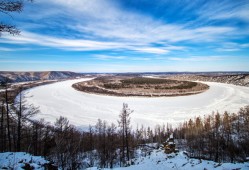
221	137
142	82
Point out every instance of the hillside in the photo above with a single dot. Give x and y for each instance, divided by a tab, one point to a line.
236	79
34	76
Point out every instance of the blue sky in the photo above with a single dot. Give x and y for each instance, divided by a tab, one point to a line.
128	36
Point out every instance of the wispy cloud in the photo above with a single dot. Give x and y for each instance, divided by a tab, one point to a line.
6	49
108	57
36	61
232	46
16	49
62	43
116	28
223	10
152	50
141	58
197	58
113	58
197	31
77	44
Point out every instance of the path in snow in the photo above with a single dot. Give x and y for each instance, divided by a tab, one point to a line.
82	109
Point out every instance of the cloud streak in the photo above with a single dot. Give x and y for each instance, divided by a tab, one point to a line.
78	44
118	29
114	31
198	58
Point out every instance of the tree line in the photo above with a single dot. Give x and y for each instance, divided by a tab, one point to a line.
105	145
218	137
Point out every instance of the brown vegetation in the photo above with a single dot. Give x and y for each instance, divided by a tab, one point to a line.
236	79
217	137
140	86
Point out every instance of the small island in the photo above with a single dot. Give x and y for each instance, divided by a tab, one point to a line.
140	86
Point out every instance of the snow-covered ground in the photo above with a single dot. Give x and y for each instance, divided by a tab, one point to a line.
82	109
158	160
17	160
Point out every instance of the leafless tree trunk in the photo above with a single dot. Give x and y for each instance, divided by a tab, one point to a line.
8	118
19	126
124	124
3	137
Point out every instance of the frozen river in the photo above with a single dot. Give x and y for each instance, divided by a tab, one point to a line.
82	109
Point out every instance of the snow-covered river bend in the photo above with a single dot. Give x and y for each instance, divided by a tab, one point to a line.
82	109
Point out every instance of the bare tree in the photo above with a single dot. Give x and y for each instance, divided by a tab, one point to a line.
3	138
24	112
111	144
19	115
5	84
124	124
7	7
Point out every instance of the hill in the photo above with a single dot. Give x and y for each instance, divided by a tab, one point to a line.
34	76
236	79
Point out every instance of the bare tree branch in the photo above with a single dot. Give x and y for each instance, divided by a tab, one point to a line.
9	28
16	6
8	7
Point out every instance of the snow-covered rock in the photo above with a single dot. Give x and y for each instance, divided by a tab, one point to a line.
158	160
19	160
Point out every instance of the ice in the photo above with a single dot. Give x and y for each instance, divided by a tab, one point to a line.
82	109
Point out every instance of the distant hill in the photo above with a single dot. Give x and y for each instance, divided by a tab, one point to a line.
236	79
33	76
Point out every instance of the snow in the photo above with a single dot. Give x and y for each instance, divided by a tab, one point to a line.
17	160
160	161
157	159
82	109
171	136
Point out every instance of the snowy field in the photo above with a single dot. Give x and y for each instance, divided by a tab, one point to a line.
157	160
82	109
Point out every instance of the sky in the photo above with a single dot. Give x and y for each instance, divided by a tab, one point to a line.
128	36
